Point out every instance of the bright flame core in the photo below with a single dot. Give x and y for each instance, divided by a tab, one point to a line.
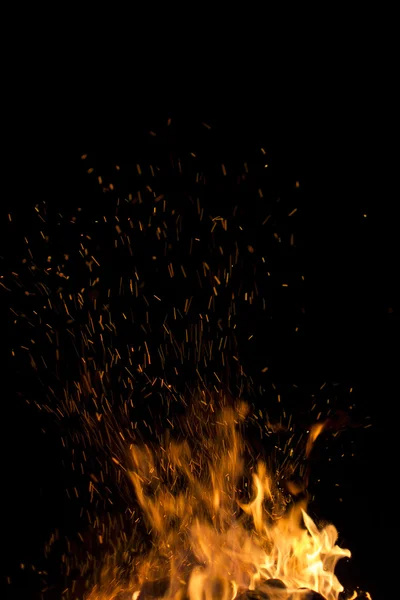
210	544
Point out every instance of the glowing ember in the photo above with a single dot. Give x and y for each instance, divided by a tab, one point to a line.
209	541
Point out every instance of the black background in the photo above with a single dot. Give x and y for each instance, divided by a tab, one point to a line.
339	146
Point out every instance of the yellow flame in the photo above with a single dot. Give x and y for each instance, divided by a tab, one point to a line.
209	543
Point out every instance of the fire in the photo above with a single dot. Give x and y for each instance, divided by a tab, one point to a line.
222	526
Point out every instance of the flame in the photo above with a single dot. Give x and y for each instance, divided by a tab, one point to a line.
221	526
315	431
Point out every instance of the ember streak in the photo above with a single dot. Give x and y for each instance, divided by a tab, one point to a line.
163	292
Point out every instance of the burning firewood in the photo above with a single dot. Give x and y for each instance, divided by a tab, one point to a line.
275	589
272	589
304	594
154	589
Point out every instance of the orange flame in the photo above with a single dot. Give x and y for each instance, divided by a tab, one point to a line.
209	542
